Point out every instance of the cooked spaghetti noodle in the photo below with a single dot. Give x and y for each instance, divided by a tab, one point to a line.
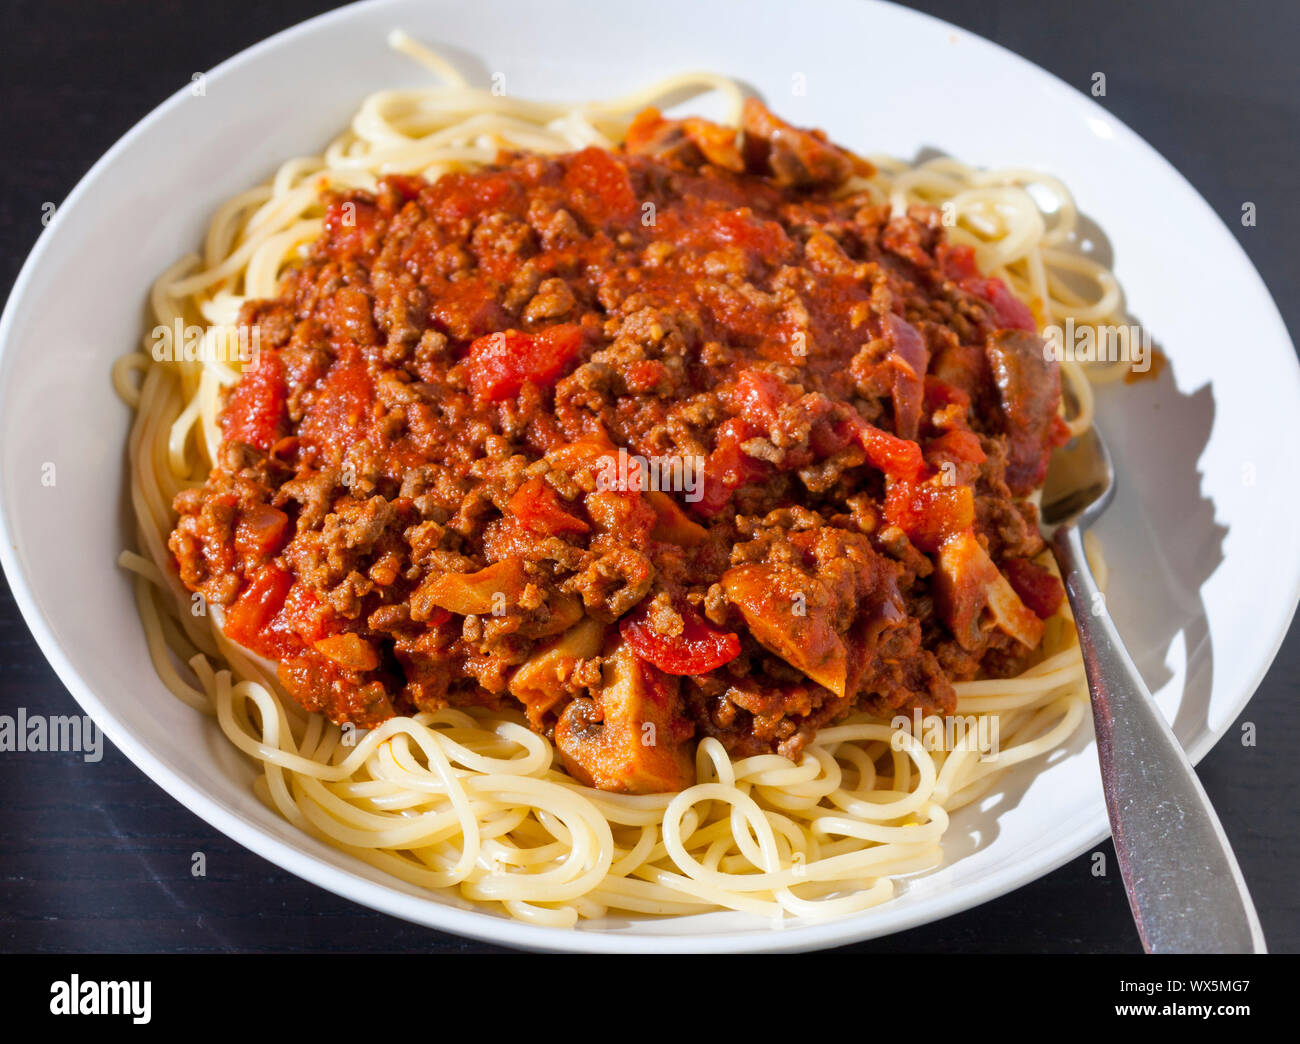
475	801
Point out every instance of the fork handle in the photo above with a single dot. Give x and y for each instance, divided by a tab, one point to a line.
1183	882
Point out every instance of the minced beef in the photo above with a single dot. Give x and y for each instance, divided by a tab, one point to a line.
435	485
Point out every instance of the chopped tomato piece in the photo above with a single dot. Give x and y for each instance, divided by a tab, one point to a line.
249	617
700	647
956	454
623	513
261	530
602	190
255	410
340	414
828	437
457	195
405	187
349	315
1038	589
930	512
1060	433
957	260
348	650
536	505
352	226
728	467
275	616
304	615
957	444
1010	313
741	228
644	376
897	458
939	394
500	363
757	397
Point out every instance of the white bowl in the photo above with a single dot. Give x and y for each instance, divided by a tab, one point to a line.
1205	567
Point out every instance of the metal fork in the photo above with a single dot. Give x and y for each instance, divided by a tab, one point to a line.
1183	882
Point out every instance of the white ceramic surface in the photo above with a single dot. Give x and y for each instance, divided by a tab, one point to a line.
1205	576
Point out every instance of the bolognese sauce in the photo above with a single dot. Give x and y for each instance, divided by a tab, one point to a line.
407	509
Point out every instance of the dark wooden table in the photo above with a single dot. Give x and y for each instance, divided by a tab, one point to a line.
95	857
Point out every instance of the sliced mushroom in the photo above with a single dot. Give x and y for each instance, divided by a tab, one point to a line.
541	682
792	614
1029	391
565	612
631	738
349	651
966	583
471	593
792	156
673	525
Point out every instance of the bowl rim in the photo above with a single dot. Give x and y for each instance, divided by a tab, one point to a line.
481	924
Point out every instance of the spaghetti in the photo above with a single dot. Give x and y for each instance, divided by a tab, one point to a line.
473	801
